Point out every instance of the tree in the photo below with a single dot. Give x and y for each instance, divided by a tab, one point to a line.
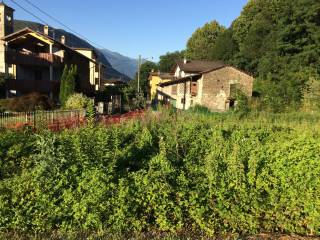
168	61
278	43
202	41
145	70
63	79
225	47
67	83
3	78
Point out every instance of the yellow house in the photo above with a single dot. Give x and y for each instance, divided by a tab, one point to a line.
155	78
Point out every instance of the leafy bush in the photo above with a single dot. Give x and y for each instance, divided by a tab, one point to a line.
29	102
77	101
195	172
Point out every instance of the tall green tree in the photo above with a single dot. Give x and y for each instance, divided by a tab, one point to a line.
67	83
278	43
168	60
63	80
225	47
202	41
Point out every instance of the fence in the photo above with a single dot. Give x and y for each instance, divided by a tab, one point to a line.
52	119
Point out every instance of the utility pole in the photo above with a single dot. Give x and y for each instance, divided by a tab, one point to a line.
99	77
139	66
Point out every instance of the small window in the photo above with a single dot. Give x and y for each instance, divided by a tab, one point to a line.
194	89
183	100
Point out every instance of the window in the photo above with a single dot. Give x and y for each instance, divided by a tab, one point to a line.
183	100
194	89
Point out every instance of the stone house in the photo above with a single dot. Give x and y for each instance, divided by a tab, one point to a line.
212	84
35	60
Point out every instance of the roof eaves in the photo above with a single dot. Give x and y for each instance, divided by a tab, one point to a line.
179	80
29	30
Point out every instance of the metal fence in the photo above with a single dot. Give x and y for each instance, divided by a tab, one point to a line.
41	118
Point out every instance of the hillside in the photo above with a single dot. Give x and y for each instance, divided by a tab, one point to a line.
123	64
73	41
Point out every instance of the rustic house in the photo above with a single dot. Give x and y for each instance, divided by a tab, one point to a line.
35	61
205	83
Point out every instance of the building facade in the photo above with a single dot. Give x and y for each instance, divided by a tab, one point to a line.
210	84
155	78
34	61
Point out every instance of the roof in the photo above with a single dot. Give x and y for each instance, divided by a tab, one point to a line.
162	75
180	80
166	76
27	30
197	76
197	66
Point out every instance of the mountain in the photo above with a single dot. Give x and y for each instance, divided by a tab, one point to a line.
123	64
75	41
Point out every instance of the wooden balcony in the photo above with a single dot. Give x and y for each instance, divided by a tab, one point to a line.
32	59
28	85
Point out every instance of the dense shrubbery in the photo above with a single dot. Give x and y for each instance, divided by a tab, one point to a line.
77	101
29	102
169	173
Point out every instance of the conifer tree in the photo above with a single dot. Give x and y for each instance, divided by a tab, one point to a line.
63	83
67	86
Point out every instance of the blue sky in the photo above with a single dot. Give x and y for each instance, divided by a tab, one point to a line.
132	27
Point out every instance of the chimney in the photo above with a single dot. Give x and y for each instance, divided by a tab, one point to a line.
185	60
46	30
63	39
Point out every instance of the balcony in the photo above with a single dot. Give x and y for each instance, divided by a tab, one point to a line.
28	85
32	59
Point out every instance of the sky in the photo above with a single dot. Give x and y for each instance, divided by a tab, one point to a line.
134	27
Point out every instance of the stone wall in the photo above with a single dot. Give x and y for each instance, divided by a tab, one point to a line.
216	87
213	89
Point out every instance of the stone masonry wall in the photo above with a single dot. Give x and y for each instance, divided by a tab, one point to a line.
216	87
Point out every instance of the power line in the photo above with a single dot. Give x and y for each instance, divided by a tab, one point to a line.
61	23
26	10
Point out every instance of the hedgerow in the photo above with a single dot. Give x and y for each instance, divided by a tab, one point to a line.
168	173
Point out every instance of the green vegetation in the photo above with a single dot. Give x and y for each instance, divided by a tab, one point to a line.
145	70
169	60
277	42
202	40
77	101
67	83
169	172
27	103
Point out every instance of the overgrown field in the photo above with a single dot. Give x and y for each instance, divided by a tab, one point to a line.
187	172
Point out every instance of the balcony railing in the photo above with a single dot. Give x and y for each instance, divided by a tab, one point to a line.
30	85
34	59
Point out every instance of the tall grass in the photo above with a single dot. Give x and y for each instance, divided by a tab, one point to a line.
170	172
